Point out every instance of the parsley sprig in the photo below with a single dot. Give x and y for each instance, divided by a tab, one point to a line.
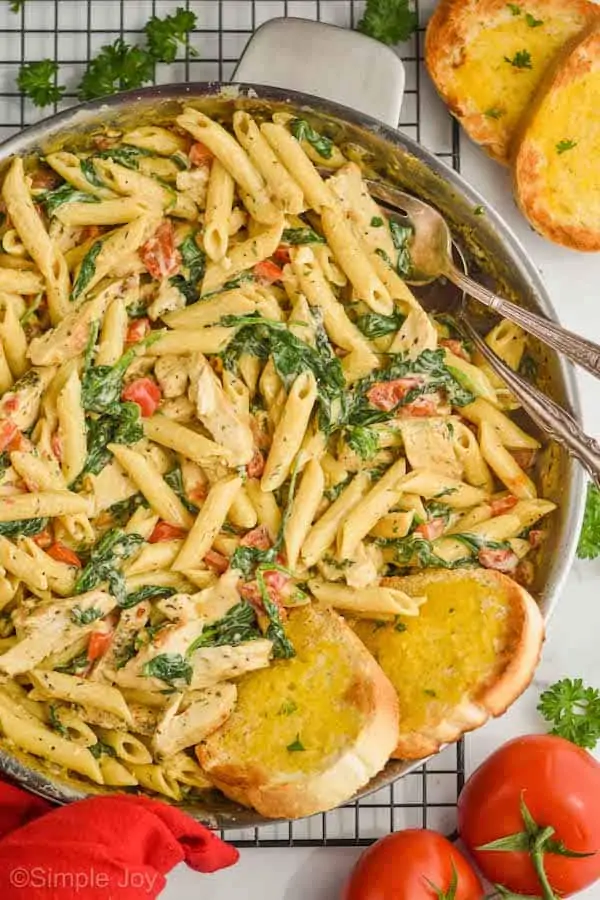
37	80
389	21
573	710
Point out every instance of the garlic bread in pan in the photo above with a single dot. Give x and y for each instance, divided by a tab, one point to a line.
487	57
307	732
468	655
557	159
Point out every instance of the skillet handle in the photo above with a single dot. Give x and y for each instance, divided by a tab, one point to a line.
327	61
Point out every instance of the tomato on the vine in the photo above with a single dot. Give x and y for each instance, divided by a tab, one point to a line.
544	792
413	865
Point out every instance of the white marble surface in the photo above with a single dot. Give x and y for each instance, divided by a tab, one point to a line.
572	647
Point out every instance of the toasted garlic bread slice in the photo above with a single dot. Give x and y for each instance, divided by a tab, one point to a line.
557	159
468	655
308	732
487	57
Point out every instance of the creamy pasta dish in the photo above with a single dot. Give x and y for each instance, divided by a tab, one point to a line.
220	400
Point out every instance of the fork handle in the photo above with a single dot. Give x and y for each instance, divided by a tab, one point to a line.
555	421
577	349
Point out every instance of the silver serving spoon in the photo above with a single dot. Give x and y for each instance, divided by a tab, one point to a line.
431	256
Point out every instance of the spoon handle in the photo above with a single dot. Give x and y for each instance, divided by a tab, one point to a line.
577	349
555	421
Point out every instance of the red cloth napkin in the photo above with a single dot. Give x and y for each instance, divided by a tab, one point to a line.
105	848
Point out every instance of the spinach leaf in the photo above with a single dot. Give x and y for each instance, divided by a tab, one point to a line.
194	259
101	386
55	722
85	616
437	510
146	592
416	545
246	559
364	441
302	131
402	236
170	668
111	549
121	425
294	236
238	625
66	193
374	325
475	543
86	270
126	155
175	480
100	749
264	337
282	647
89	171
75	666
23	527
334	492
122	511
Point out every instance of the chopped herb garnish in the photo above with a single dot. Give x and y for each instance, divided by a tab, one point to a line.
376	222
479	211
75	666
532	21
528	367
302	131
399	626
429	692
515	10
521	60
296	746
287	708
494	112
389	21
563	146
171	668
85	616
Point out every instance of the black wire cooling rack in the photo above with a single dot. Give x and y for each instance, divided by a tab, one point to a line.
71	32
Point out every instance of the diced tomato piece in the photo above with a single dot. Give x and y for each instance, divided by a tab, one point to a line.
502	505
44	179
275	583
260	431
524	573
200	155
10	402
524	458
276	580
216	561
159	254
8	431
198	493
20	442
98	644
422	407
216	364
137	330
146	393
282	256
64	554
258	538
256	466
90	233
432	529
251	592
266	272
385	395
456	347
165	532
502	560
56	444
537	536
44	539
103	141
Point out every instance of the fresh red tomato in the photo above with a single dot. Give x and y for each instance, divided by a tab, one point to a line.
98	644
504	560
266	272
165	532
431	530
258	537
502	505
200	155
146	393
282	256
159	254
413	865
8	431
137	330
559	783
456	347
386	395
64	554
256	466
216	561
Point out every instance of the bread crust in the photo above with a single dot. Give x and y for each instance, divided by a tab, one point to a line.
284	796
579	229
454	26
516	666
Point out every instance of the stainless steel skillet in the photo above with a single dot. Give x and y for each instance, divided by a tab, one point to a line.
494	255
